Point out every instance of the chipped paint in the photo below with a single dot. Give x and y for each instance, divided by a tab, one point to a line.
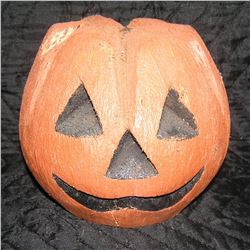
199	54
138	121
57	38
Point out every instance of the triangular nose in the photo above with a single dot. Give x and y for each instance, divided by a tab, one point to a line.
130	161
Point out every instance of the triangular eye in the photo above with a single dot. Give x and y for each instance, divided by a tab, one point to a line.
79	117
176	120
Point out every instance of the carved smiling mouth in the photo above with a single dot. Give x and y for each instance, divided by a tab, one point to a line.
130	202
129	161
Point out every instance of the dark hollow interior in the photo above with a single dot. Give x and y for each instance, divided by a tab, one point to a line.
79	117
130	161
176	120
132	202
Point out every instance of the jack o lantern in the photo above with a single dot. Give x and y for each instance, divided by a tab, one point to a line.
124	126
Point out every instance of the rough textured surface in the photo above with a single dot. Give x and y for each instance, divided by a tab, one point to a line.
123	75
219	219
130	161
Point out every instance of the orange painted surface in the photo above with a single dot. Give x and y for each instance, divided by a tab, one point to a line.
127	74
